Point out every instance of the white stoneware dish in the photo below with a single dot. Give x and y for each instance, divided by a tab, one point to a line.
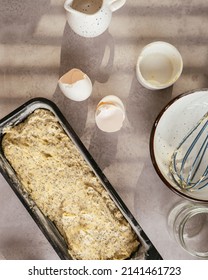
90	18
170	127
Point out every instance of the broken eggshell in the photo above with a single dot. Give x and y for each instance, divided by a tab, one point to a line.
110	114
75	85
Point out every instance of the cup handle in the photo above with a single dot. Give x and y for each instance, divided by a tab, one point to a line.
116	4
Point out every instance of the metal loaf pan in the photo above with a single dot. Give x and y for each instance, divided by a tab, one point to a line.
145	251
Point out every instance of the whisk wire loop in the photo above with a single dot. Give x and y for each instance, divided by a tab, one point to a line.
198	160
190	158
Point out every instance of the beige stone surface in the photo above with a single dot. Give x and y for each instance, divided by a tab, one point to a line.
37	47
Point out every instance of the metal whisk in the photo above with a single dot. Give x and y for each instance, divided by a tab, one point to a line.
189	162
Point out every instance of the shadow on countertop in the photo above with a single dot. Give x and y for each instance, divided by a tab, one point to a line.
87	55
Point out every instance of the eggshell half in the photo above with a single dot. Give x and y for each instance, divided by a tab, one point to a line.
110	114
75	85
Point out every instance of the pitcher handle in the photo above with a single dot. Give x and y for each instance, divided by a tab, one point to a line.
116	4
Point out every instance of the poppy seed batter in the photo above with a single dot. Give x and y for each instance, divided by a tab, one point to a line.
61	183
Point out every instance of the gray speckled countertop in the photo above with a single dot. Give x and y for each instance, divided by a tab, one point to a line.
37	46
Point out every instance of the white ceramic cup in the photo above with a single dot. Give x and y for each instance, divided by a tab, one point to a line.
159	65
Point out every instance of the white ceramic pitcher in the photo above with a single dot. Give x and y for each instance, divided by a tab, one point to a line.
90	18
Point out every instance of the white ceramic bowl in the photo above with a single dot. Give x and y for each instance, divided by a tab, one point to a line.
172	124
159	65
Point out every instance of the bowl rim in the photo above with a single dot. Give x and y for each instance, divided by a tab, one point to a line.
151	145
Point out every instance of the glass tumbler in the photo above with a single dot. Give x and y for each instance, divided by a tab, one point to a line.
188	224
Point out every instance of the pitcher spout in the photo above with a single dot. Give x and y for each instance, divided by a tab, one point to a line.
68	6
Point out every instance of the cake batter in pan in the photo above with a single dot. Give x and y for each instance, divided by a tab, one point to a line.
146	250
